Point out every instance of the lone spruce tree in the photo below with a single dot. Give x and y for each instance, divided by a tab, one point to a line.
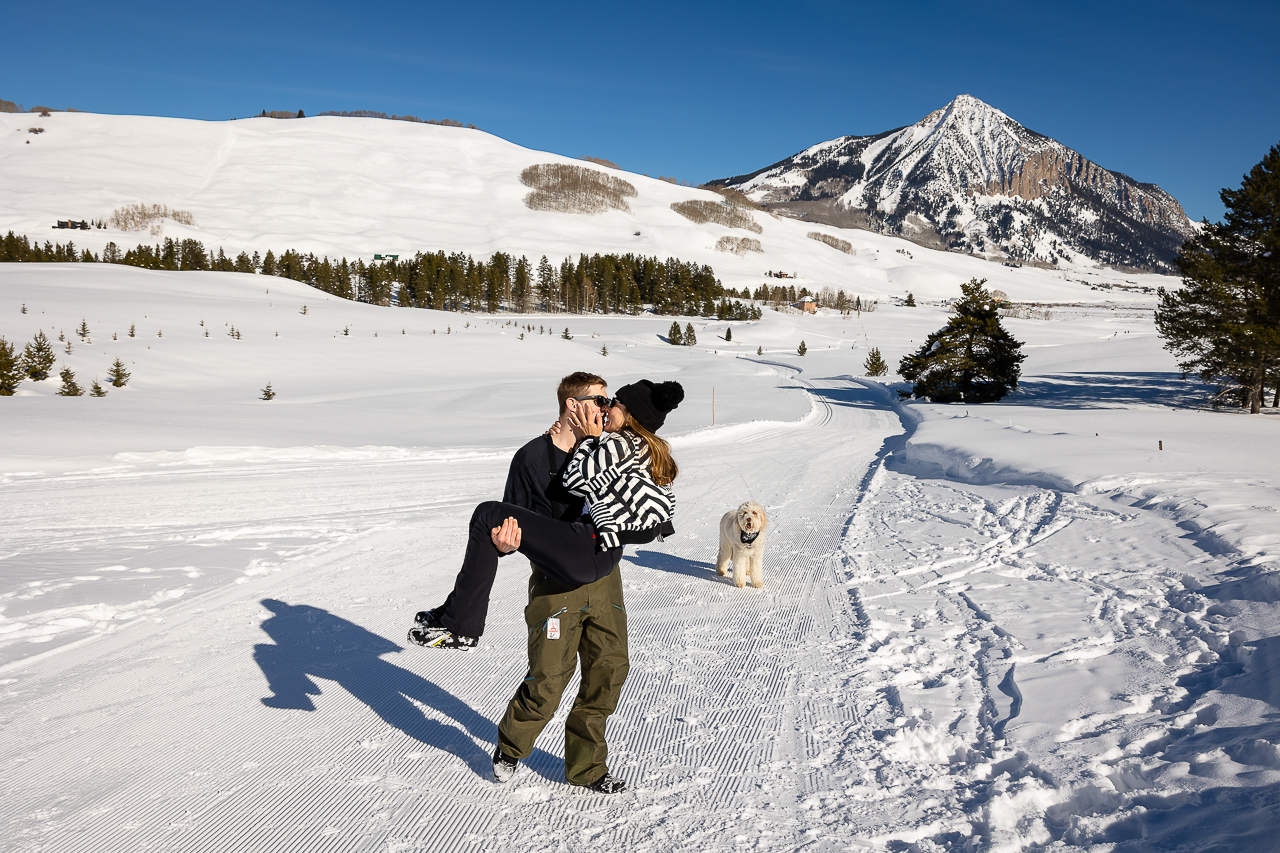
728	334
11	372
1223	324
875	364
911	299
690	339
38	357
70	388
970	360
675	337
267	393
96	390
802	349
118	375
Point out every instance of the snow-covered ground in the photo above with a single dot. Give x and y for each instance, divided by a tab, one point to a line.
1007	627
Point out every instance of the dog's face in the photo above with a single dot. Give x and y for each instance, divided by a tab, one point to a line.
752	518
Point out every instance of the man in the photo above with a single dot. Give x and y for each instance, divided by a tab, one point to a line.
586	624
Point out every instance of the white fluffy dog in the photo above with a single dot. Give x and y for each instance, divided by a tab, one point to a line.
742	541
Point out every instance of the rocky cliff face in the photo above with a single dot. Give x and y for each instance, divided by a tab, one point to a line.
968	177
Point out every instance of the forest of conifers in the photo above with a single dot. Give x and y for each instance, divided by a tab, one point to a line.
598	283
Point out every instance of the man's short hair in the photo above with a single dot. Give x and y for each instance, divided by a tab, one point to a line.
575	385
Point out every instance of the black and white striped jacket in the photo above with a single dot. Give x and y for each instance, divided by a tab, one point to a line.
612	473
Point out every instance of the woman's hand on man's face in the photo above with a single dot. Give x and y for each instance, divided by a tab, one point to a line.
586	421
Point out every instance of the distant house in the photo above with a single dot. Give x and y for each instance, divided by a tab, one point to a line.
64	223
807	304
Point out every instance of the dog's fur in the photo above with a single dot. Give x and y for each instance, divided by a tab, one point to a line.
748	559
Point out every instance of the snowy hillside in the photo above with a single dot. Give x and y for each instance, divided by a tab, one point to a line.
1043	624
971	177
355	187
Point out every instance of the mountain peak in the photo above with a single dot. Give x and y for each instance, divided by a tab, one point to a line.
969	177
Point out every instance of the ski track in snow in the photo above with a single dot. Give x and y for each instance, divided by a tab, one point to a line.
897	682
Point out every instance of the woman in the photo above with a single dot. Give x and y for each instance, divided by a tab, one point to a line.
623	471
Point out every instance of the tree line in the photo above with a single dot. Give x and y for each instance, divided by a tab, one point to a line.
605	284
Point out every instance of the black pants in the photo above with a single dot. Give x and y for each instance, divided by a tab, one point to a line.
565	552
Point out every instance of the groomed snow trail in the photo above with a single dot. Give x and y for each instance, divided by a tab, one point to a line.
930	665
167	736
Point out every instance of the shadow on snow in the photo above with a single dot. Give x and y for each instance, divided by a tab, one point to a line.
311	643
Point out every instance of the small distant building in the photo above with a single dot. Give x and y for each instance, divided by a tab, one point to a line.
807	304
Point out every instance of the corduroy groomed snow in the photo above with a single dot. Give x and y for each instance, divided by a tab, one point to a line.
649	403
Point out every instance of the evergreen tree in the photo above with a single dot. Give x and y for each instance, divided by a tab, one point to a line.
759	350
690	339
566	335
132	332
11	372
728	333
802	349
675	337
97	390
970	360
604	350
83	330
269	264
911	299
1224	323
38	357
70	388
546	285
118	375
875	364
267	393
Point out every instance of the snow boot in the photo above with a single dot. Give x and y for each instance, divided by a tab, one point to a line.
441	638
504	767
427	619
607	784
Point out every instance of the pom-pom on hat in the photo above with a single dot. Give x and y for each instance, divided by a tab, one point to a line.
649	403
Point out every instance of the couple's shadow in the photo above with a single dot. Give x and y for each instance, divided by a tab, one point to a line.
311	643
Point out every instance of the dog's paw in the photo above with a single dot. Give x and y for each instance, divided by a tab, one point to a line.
739	584
758	585
722	572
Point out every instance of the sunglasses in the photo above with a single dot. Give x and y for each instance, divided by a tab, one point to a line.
599	400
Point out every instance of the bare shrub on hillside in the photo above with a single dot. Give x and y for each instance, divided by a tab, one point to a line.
567	188
442	122
737	198
137	217
600	161
10	107
701	211
738	245
834	242
1022	312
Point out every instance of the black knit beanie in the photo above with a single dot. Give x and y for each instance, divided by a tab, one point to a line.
649	403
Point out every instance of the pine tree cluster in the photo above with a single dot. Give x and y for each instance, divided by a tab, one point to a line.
604	284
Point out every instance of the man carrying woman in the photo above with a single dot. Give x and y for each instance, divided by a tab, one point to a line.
622	472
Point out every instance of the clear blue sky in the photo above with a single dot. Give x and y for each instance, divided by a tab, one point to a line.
1186	95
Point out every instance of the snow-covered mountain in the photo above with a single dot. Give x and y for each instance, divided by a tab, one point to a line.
353	187
969	177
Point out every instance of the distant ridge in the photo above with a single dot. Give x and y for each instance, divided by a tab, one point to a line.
970	178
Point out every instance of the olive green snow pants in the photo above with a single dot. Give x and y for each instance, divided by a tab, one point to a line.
593	630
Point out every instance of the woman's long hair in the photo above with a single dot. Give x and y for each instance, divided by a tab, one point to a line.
661	463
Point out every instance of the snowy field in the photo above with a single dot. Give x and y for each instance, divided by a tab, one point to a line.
982	629
1044	624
